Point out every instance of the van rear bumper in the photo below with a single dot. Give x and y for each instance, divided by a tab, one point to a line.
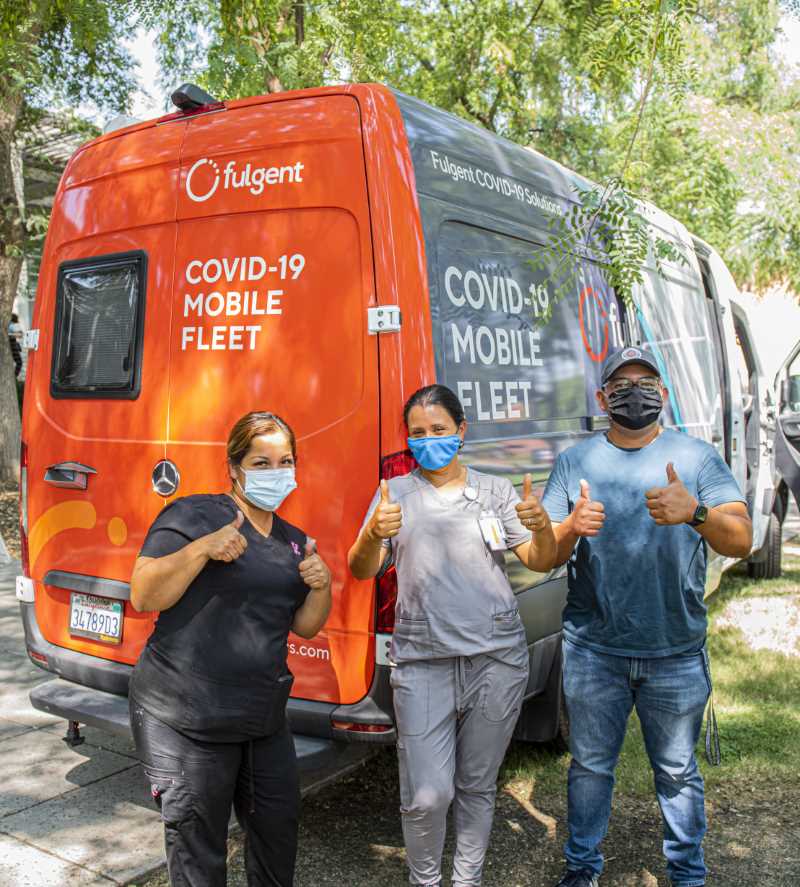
319	760
90	673
87	671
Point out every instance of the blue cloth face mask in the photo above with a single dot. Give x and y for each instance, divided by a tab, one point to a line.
434	452
267	488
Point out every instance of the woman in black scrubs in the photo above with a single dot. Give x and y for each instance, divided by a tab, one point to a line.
208	694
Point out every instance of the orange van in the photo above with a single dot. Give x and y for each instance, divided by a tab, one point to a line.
320	254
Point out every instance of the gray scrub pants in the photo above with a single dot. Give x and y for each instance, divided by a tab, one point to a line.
454	718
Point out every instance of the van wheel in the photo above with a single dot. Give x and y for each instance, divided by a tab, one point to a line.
769	567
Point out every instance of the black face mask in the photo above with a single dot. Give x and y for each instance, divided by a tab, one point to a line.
635	409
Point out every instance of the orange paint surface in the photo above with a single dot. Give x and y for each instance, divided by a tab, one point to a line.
58	518
260	268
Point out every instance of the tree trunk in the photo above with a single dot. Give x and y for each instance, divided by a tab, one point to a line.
12	239
9	408
299	23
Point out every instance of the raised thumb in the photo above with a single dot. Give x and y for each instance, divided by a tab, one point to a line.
672	475
238	520
385	497
526	487
311	547
585	490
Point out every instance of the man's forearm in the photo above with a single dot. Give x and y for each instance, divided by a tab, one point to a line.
566	539
728	534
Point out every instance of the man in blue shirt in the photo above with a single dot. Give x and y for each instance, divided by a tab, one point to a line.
633	511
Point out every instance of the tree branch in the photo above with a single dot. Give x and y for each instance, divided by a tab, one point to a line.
535	15
645	93
426	63
299	22
473	112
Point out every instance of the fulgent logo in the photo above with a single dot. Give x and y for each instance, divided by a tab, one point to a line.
254	178
630	353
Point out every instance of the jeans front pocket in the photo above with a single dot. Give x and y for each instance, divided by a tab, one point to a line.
676	685
409	682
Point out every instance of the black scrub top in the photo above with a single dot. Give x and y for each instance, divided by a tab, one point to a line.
214	667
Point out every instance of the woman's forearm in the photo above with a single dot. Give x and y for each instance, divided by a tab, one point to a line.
159	583
311	616
543	550
367	555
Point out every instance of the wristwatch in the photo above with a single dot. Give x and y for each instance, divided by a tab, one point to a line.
700	515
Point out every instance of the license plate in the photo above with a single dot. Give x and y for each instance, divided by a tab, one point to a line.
95	617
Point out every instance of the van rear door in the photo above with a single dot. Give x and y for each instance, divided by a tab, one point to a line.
787	433
96	397
273	276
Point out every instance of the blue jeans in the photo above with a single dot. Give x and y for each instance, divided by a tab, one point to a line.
670	695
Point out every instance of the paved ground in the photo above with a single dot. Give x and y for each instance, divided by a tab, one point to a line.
68	816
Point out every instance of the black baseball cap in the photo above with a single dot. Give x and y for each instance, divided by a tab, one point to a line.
624	356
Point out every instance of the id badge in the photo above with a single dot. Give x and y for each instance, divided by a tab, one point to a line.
494	535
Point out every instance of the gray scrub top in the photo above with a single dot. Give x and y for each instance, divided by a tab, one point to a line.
454	598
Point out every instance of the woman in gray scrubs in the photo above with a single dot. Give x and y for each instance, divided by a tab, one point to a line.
459	644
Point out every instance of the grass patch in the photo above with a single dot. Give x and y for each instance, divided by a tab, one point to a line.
757	698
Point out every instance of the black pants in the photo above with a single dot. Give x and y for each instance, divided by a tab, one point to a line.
195	783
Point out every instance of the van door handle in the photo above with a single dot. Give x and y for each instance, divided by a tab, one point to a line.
72	475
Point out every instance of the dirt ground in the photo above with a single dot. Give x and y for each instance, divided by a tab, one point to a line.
350	835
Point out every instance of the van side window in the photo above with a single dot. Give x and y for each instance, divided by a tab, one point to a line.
99	319
494	344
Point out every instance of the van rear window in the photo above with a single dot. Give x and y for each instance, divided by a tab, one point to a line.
98	327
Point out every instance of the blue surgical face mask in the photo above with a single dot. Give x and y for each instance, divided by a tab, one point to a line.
434	452
267	488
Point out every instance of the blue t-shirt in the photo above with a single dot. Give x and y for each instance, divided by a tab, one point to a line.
637	588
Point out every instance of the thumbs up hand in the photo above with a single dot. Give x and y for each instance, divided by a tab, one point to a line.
387	518
313	570
530	511
226	544
672	504
588	516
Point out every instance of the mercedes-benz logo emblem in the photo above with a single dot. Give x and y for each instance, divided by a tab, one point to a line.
166	478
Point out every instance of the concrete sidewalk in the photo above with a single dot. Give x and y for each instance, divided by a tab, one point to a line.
68	816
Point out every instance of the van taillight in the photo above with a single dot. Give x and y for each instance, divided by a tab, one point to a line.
386	588
386	585
23	508
397	464
361	728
